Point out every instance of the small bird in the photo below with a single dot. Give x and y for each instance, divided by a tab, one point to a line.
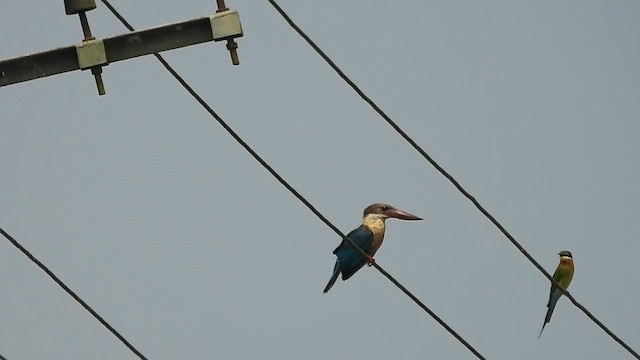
563	276
368	237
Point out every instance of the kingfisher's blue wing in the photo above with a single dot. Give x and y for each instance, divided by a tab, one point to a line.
349	258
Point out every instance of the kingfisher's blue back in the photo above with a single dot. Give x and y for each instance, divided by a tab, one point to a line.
349	259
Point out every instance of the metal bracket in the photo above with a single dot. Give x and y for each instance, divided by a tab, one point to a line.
225	25
91	53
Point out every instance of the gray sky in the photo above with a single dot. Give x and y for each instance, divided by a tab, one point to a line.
171	231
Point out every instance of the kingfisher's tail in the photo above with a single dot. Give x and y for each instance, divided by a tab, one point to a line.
553	299
334	276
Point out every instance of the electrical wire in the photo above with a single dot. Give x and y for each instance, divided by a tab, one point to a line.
442	171
293	191
72	293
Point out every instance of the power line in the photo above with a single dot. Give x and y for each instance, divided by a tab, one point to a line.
293	191
440	169
72	293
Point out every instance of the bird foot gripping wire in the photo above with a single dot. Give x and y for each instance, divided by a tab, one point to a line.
370	261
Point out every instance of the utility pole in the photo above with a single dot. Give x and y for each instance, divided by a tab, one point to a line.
95	53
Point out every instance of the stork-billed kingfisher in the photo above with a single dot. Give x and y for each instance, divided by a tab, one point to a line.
368	237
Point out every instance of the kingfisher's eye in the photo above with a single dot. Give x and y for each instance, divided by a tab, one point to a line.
386	208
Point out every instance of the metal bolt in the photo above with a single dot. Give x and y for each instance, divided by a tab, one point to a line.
97	74
85	26
231	44
96	70
221	6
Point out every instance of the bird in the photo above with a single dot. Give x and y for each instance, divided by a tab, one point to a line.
563	276
368	237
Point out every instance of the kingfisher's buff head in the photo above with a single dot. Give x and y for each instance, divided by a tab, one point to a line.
385	211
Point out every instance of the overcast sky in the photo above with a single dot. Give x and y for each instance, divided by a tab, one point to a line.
153	214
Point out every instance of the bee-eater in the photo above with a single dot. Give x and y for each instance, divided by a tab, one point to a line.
367	237
563	276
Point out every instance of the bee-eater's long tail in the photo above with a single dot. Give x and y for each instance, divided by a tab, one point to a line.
334	276
551	305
